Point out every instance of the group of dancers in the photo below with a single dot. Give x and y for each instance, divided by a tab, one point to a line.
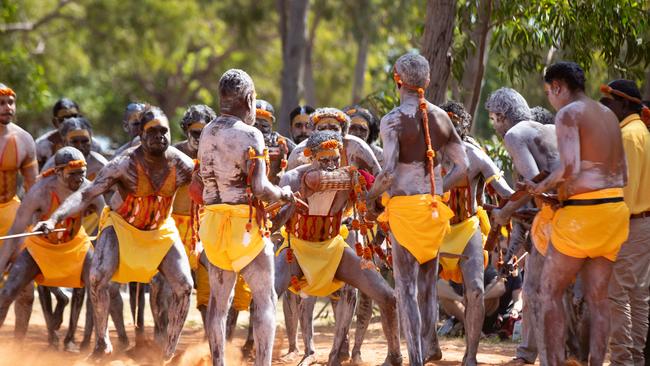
245	216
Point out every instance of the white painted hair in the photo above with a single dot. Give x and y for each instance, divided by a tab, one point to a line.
235	85
413	69
510	103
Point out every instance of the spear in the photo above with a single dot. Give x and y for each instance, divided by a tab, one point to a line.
33	233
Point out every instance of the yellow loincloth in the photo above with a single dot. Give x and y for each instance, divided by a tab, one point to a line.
141	251
222	232
456	241
90	222
202	286
591	231
61	265
541	229
7	215
183	223
243	295
412	223
318	262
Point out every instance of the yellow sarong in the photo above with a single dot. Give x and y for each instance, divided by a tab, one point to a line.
183	223
243	295
202	286
318	261
224	237
411	220
141	251
542	227
456	241
61	265
90	222
7	215
592	231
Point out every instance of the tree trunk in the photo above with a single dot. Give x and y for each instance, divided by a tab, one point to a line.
360	68
476	60
308	73
281	6
438	34
293	56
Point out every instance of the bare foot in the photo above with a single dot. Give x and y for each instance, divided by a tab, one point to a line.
308	360
393	360
85	344
70	346
101	351
247	349
356	359
518	362
471	361
292	355
344	353
436	355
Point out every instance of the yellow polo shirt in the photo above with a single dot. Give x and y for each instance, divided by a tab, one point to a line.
636	142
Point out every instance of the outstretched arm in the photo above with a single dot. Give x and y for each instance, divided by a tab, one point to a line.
291	179
79	200
363	155
492	174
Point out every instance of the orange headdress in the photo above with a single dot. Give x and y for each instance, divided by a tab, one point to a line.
608	91
67	167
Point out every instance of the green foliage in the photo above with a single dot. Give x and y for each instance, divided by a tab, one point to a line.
497	152
106	53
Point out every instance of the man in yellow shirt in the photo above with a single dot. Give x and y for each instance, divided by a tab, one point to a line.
628	287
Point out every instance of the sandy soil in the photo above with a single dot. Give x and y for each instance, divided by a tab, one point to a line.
193	350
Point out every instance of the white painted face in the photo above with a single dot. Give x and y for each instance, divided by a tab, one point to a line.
499	122
329	126
72	179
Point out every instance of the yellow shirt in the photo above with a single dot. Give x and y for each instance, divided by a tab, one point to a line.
636	142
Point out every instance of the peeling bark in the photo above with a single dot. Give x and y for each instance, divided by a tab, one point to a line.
438	34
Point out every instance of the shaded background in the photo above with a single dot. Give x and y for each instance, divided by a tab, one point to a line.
105	53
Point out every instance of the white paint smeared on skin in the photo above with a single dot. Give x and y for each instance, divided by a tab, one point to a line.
404	177
533	148
472	268
577	172
358	153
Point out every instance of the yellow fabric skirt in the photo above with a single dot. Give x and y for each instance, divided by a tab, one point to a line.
141	251
183	224
542	228
61	265
318	262
90	223
592	231
7	215
224	237
243	295
202	286
415	225
456	241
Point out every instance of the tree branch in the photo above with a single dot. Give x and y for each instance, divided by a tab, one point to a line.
30	26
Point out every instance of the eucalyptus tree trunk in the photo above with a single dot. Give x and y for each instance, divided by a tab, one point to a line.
294	42
436	47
